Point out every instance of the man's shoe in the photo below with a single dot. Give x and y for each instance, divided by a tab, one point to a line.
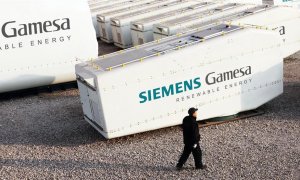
202	167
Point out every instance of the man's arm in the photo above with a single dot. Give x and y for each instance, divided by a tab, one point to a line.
195	133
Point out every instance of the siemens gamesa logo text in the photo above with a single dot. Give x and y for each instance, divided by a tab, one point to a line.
170	90
211	78
12	29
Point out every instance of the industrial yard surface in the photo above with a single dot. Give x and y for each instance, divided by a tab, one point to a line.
45	137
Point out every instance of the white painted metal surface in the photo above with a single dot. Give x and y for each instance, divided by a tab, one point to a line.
209	70
41	49
289	3
142	30
285	21
173	26
91	2
104	18
188	23
121	24
207	65
115	5
99	4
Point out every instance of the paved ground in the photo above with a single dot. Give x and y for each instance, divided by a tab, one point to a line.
106	48
45	137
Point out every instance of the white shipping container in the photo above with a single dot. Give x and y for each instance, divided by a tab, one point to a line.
171	27
103	3
232	17
285	21
114	6
235	69
91	2
104	18
142	30
185	24
290	3
40	50
121	24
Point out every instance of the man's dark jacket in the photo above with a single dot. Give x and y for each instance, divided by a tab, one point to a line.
190	128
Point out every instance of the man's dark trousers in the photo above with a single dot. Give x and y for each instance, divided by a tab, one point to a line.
197	153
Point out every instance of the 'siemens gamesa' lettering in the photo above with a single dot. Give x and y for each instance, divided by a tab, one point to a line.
193	84
213	77
12	29
169	90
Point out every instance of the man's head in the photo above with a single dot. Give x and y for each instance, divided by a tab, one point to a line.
193	112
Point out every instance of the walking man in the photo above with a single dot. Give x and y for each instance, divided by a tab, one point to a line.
191	138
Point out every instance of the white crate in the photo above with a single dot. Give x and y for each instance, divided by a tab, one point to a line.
99	4
142	30
114	5
42	49
104	18
162	80
285	21
121	24
173	26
